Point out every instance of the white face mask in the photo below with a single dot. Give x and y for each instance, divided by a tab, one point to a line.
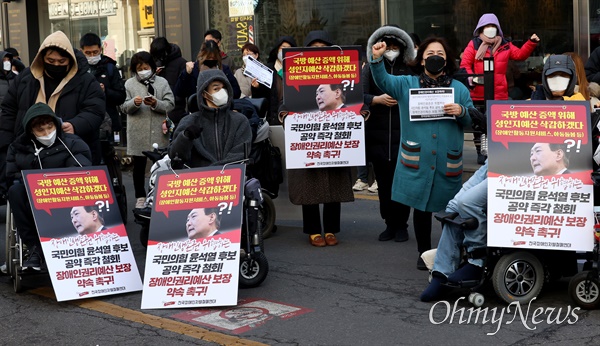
93	60
6	65
391	55
558	83
245	59
490	32
47	140
145	74
220	98
280	56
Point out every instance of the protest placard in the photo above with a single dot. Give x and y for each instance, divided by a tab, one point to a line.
85	244
540	194
323	98
193	255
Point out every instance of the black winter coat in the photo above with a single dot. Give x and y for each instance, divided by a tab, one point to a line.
81	103
21	155
114	88
173	66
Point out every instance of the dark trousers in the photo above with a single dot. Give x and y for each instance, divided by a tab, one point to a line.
22	215
395	214
422	225
139	176
311	218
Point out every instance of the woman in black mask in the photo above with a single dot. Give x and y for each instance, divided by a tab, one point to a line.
429	169
209	57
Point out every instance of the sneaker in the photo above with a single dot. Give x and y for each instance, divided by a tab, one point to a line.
373	187
359	185
140	203
421	264
34	261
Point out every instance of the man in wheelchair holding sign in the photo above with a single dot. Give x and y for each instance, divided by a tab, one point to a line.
43	145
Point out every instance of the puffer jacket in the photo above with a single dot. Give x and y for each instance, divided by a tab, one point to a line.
78	99
507	51
27	153
382	130
6	78
226	135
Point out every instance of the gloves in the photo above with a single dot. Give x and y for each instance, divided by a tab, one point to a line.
192	132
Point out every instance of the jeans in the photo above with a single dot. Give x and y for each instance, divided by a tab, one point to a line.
363	173
469	202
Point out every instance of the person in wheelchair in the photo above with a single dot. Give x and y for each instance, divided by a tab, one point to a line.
468	204
43	145
214	135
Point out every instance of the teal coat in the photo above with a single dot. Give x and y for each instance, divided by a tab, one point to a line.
430	166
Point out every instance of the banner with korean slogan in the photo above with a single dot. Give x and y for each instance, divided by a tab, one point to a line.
85	244
193	255
322	100
540	193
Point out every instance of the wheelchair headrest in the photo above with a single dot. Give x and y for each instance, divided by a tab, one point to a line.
192	104
261	106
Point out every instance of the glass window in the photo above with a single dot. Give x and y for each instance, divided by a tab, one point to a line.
348	22
125	26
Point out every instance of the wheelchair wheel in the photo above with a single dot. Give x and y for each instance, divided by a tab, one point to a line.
253	270
266	217
518	276
17	283
585	293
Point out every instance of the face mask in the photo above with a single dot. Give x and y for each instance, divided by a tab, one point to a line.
280	56
6	65
56	72
47	140
220	97
435	64
145	74
391	55
245	59
93	60
558	83
210	63
490	32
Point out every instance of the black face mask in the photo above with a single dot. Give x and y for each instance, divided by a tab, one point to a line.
56	72
210	63
435	64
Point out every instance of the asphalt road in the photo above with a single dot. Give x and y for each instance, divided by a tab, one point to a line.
360	292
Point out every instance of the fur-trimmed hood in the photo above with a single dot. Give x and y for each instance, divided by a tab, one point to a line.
399	34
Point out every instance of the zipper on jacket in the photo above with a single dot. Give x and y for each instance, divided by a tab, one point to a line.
217	134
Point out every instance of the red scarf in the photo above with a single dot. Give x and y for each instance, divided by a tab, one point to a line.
486	43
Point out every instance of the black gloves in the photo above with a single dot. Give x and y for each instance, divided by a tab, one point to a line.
192	132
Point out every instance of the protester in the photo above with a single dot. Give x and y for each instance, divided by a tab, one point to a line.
208	58
58	77
588	90
382	130
215	35
275	63
105	70
215	134
592	66
430	170
311	187
169	65
7	76
250	87
42	145
559	79
488	41
149	99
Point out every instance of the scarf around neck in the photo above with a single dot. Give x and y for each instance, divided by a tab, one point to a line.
147	82
442	81
486	43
